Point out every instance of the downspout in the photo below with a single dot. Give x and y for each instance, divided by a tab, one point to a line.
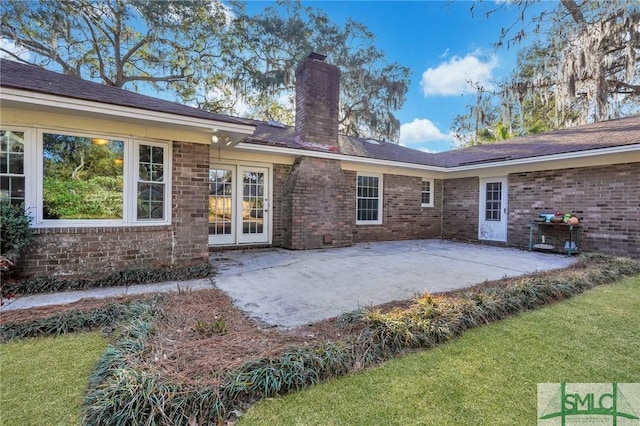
442	209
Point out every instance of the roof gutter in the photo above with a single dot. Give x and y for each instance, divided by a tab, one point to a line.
364	160
43	99
335	156
554	157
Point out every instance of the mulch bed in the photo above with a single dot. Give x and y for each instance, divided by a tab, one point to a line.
184	348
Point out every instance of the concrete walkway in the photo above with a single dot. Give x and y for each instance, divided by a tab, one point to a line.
291	288
65	297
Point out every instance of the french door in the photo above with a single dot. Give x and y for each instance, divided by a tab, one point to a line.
492	224
239	205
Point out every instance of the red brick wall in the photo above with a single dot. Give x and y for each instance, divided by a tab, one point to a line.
316	203
460	208
606	197
403	218
317	102
190	239
64	251
281	208
86	251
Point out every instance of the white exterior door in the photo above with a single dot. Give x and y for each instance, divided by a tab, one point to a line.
492	225
253	205
239	205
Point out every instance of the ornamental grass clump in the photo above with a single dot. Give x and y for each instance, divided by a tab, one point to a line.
72	321
431	320
125	277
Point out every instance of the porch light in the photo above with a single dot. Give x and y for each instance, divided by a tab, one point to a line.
99	141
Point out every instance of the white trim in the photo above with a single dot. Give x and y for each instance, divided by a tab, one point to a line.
380	198
167	181
431	202
552	157
475	166
55	101
34	181
237	197
334	156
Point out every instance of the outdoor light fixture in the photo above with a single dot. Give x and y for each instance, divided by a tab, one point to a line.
99	141
226	140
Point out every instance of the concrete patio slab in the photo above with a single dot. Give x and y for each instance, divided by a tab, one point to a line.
291	288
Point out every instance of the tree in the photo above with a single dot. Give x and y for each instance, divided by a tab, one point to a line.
213	55
584	69
123	43
277	40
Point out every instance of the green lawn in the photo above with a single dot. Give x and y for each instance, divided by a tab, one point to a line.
488	376
42	380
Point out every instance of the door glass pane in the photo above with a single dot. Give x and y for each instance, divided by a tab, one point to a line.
253	202
220	201
493	205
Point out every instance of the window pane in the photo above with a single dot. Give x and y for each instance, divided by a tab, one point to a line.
220	201
368	198
151	182
426	192
150	201
82	177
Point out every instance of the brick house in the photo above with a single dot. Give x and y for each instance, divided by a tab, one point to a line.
190	181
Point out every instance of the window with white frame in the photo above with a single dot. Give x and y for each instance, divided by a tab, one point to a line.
12	179
75	179
82	177
369	199
151	182
427	193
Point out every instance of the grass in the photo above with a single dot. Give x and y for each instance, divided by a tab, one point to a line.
42	380
487	376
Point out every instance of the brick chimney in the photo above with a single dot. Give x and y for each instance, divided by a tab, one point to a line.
317	103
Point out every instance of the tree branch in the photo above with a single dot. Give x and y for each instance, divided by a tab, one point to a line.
573	8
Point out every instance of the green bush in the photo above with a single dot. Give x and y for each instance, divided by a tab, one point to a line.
97	198
15	231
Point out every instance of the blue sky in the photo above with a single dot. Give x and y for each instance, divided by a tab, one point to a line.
443	44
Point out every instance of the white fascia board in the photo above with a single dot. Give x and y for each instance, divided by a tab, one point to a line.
43	99
334	156
365	160
547	158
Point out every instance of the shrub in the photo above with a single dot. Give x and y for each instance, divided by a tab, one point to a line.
15	231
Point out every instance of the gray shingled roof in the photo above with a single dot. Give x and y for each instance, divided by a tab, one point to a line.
607	134
35	79
266	134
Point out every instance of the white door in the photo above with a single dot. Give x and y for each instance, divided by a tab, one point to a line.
222	205
492	225
253	205
238	205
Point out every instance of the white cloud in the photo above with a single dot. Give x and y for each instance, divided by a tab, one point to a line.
10	46
420	130
453	76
